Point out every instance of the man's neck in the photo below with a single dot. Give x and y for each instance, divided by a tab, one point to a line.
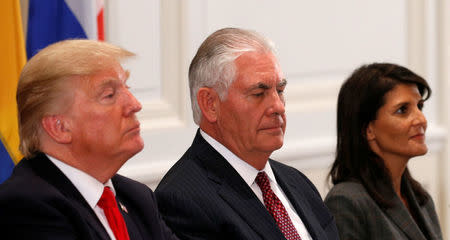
101	173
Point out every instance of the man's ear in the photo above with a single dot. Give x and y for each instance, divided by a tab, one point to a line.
370	135
208	101
56	128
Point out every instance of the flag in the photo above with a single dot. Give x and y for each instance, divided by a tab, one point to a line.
50	21
12	59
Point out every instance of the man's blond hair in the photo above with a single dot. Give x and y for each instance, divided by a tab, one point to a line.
43	86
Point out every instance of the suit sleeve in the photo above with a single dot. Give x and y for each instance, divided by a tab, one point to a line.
349	216
28	219
185	217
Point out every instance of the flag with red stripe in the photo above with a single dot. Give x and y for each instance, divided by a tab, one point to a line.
50	21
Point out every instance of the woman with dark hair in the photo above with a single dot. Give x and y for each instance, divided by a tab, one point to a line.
380	126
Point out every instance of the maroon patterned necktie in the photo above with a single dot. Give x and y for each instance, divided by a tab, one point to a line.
276	208
115	219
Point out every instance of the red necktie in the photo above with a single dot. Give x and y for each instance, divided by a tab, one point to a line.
276	208
109	205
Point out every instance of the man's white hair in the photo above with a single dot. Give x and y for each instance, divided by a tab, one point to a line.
213	66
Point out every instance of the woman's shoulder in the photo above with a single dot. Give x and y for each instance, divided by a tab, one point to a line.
349	189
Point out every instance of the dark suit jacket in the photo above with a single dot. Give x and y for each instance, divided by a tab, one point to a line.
358	216
203	197
39	202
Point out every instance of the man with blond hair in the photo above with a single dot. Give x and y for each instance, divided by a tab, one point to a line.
77	127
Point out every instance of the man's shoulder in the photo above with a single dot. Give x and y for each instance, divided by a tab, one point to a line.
186	170
28	195
129	188
278	165
289	173
126	181
24	181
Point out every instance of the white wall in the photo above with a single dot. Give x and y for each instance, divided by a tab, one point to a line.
319	43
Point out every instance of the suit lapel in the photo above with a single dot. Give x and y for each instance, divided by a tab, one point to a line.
235	191
47	170
300	204
132	228
136	229
252	211
400	215
421	213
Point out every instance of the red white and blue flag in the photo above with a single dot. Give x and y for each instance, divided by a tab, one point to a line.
51	21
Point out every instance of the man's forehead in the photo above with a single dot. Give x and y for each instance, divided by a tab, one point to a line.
108	77
116	78
273	77
261	63
92	84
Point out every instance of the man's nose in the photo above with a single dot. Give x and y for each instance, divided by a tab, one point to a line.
132	104
277	103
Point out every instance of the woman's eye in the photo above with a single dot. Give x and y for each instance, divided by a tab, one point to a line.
401	110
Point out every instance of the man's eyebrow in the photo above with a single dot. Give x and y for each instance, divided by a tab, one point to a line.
264	86
283	83
108	82
259	85
127	75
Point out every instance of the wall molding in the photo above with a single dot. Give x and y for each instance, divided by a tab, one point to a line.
171	109
313	94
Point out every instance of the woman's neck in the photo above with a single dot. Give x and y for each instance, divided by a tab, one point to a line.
396	167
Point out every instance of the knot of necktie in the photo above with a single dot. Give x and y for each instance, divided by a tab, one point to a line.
107	199
263	181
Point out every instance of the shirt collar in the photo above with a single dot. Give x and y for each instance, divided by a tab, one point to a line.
245	170
89	187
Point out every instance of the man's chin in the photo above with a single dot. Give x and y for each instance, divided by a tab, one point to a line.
136	146
271	147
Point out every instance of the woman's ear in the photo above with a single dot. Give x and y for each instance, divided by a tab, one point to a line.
56	128
370	134
208	101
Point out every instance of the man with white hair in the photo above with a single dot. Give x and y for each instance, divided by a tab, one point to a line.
77	127
225	186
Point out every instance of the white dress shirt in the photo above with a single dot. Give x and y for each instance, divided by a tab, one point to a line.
89	187
248	173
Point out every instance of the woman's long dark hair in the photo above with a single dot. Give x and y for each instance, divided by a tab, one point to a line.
360	97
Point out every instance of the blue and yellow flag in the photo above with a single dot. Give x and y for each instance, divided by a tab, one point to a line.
12	59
